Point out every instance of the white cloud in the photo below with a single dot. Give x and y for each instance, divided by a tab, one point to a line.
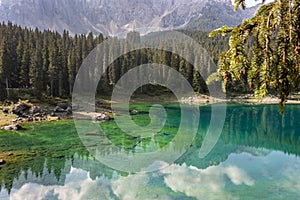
130	187
280	172
206	183
78	186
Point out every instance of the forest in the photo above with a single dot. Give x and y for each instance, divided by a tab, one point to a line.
45	63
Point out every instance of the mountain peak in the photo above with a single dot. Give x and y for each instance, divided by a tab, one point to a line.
107	16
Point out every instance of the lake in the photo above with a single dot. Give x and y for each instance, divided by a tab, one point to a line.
255	157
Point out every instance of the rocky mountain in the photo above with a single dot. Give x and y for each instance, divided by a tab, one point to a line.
114	16
219	13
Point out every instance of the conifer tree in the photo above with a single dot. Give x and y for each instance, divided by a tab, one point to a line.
275	61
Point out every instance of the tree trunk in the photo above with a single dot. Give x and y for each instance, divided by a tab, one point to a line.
51	88
7	88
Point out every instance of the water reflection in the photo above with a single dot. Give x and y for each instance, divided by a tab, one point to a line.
256	157
274	176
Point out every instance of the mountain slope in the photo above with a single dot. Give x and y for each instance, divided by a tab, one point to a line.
216	14
113	16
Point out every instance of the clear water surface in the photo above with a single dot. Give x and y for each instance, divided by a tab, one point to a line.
256	157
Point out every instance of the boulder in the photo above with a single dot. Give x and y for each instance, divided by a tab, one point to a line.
5	110
6	128
99	103
16	127
2	162
62	105
29	119
37	115
13	127
52	114
18	109
34	110
19	119
24	115
59	109
69	110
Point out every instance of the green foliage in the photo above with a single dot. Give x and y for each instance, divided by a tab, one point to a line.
47	62
38	60
223	30
272	62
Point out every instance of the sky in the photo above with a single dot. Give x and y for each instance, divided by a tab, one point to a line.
250	3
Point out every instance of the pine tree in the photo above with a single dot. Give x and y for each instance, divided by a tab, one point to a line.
275	61
19	52
4	66
53	70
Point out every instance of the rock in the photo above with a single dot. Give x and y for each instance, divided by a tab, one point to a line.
18	109
2	162
24	115
29	119
5	110
17	127
19	119
12	127
59	109
6	128
69	110
101	117
44	118
134	112
52	114
34	110
99	103
62	105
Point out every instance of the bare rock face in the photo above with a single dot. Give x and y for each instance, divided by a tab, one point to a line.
112	16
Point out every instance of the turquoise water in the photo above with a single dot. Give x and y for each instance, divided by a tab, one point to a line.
256	157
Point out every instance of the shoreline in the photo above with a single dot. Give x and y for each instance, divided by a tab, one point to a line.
244	99
104	113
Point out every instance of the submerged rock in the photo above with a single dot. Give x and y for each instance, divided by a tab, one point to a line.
101	117
134	112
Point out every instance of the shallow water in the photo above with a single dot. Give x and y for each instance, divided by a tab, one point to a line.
256	157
